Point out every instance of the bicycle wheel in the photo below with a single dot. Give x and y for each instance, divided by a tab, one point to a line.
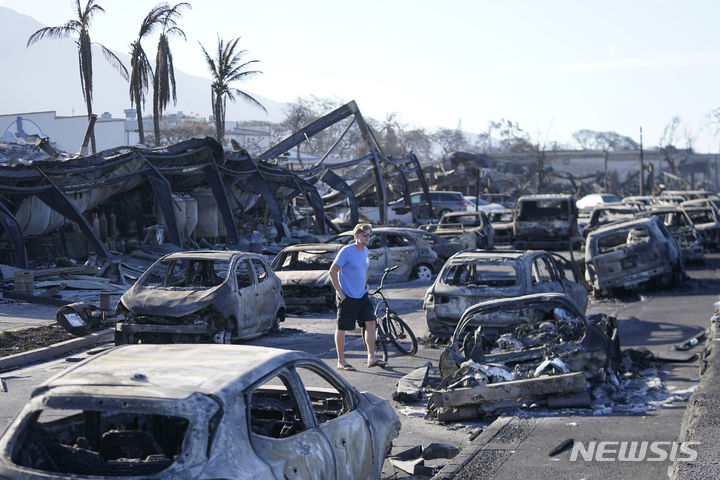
400	334
380	344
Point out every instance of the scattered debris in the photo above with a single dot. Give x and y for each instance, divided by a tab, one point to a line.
412	460
410	387
536	348
692	341
562	447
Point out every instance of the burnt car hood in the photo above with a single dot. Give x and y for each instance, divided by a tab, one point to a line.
167	302
306	278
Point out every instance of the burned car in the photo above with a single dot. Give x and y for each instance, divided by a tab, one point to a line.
397	246
303	270
545	221
473	276
201	296
707	223
470	229
682	229
198	412
509	351
502	224
632	253
443	247
608	213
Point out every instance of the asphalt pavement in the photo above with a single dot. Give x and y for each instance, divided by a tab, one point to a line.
489	449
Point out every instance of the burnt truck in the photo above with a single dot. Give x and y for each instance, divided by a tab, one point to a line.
632	253
545	222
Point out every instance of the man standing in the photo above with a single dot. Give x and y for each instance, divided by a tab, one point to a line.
348	274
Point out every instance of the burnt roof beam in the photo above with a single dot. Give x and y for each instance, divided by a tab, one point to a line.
8	220
56	200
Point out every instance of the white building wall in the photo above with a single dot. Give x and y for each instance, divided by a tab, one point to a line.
66	133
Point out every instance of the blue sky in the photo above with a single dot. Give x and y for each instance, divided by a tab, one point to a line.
554	66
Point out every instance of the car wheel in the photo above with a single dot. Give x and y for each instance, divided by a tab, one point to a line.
225	331
222	337
422	272
280	317
443	212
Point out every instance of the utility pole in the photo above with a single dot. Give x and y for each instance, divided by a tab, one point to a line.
642	166
605	152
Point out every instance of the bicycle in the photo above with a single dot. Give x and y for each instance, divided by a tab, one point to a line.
390	328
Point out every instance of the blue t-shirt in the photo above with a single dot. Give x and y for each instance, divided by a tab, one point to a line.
353	264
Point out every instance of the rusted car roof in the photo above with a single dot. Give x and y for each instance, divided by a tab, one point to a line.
309	247
173	370
209	254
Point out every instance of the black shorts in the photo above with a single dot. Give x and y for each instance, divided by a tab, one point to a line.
353	310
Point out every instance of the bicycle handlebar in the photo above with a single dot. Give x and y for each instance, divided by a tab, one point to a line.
382	280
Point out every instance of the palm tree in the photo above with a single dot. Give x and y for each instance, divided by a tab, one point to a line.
140	67
164	81
80	28
226	68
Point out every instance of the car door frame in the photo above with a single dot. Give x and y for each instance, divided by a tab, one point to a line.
311	437
554	284
343	432
266	291
394	256
247	302
577	288
378	257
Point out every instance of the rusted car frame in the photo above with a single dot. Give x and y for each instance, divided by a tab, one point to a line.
397	246
201	296
470	229
681	227
706	220
604	214
545	221
542	343
303	271
632	253
198	412
502	223
474	276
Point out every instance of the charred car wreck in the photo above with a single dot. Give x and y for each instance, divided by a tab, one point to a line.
545	221
198	411
474	276
512	351
303	270
630	254
201	296
469	229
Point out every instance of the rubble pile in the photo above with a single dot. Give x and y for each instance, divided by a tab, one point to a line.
14	153
631	385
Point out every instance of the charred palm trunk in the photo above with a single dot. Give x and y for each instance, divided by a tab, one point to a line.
138	113
219	113
156	112
85	63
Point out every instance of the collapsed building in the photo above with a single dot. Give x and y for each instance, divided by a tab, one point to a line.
54	205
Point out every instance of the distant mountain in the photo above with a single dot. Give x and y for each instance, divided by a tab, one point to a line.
45	77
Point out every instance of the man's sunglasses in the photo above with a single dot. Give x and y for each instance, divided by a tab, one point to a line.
367	235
